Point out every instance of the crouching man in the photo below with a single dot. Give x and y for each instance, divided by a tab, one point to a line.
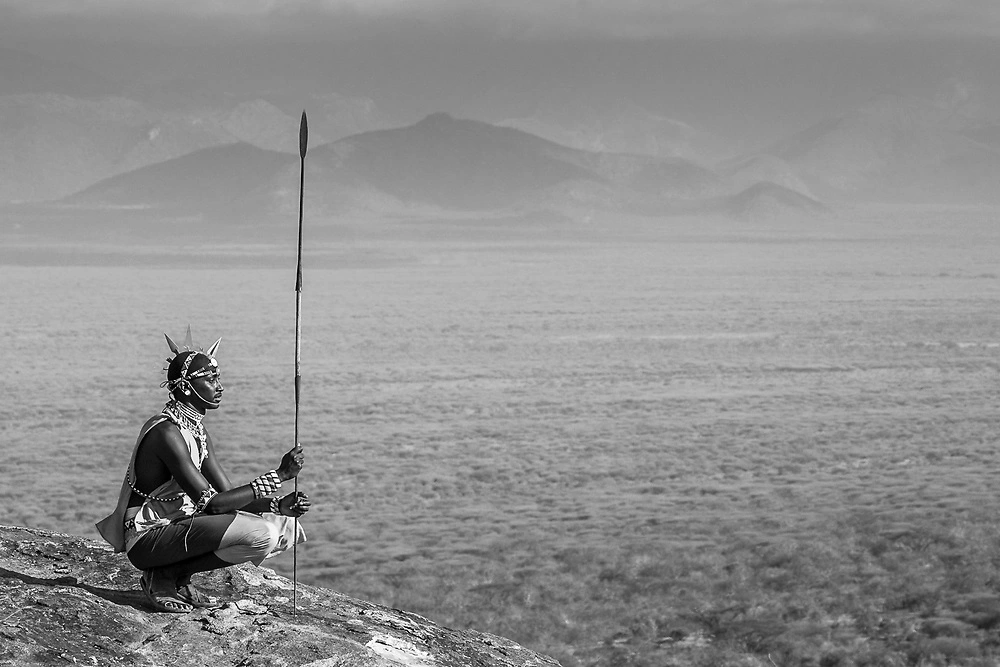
178	514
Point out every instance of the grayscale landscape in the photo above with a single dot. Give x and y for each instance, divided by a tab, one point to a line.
665	335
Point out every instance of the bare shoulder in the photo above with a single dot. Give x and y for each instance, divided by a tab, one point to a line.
164	435
166	430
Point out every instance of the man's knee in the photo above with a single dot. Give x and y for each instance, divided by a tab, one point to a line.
254	539
268	537
261	539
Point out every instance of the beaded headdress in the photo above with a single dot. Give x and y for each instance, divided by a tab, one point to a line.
184	377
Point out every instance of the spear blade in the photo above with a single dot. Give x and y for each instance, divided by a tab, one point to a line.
303	136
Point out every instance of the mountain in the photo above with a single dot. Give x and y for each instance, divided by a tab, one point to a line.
766	200
894	148
234	177
261	124
450	163
748	171
52	145
624	127
331	117
438	164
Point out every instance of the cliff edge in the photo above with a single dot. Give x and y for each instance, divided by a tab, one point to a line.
66	599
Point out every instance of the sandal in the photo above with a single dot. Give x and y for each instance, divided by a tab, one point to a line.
196	598
162	601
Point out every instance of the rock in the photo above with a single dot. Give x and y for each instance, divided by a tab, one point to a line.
67	599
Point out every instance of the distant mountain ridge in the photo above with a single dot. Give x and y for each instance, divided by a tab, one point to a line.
895	148
115	152
52	145
766	200
230	176
439	163
763	168
55	144
623	128
450	163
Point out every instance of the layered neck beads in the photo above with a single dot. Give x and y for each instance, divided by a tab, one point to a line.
188	418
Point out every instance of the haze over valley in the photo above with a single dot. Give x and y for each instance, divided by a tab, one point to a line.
643	128
113	152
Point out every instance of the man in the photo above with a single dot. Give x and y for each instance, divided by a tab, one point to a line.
178	514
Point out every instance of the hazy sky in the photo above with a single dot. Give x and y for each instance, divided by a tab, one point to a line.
538	18
739	67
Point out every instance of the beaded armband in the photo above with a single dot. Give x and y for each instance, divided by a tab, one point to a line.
204	498
266	484
275	505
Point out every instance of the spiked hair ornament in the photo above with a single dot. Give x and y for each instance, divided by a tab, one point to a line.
182	381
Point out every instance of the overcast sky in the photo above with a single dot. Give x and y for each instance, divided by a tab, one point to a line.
540	18
739	67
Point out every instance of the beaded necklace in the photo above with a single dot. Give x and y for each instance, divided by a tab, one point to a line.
185	417
188	418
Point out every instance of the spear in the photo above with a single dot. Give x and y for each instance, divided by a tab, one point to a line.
303	143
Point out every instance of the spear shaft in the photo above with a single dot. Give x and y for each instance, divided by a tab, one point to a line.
303	144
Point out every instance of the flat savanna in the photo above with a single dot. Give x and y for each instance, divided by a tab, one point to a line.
610	441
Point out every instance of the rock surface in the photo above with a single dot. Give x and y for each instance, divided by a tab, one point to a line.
66	599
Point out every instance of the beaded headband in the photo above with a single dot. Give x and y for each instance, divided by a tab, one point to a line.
188	346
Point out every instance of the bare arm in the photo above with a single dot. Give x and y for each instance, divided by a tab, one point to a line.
172	451
211	468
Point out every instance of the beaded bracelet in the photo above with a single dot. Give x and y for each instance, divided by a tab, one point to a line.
275	505
203	499
266	484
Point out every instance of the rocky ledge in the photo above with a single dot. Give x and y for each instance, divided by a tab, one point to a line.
66	599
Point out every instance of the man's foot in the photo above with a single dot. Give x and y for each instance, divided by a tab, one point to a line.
188	593
168	601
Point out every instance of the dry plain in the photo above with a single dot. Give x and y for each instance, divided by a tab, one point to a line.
587	436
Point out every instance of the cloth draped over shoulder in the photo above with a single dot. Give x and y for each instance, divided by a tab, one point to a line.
112	527
168	503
